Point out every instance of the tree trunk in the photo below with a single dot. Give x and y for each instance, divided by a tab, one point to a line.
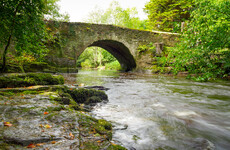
4	54
75	58
9	39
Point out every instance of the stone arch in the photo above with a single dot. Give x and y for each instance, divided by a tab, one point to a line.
119	51
123	43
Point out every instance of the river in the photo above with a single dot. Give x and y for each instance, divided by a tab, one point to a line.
162	112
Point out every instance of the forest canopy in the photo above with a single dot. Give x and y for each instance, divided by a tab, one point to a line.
22	25
167	15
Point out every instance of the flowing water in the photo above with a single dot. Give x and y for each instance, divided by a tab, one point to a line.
161	112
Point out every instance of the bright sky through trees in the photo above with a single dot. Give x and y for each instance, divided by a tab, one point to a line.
79	9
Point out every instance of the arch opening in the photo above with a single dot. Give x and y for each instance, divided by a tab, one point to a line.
97	57
119	51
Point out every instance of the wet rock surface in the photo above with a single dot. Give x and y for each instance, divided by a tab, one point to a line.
40	121
203	144
97	88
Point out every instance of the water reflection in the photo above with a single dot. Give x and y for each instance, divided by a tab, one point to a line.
163	112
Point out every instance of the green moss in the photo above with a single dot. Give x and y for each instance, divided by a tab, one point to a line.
7	93
26	109
116	147
35	66
90	146
101	127
29	79
51	115
43	78
58	88
107	125
58	108
73	97
4	146
62	100
81	95
104	127
30	92
74	105
89	119
12	68
65	98
10	81
60	79
93	99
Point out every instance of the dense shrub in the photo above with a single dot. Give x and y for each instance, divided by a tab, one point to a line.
115	65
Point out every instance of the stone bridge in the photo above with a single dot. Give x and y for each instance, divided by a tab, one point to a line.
122	43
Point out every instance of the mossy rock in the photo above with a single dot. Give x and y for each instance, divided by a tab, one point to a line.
35	66
93	100
60	79
86	96
104	127
11	82
30	79
12	68
116	147
101	126
44	78
66	99
107	125
62	100
57	108
4	146
90	146
32	92
59	88
8	93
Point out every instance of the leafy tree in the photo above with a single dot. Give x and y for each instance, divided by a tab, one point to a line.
167	15
94	57
22	26
116	15
107	57
205	46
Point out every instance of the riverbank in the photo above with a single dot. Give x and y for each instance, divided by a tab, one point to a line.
37	67
52	117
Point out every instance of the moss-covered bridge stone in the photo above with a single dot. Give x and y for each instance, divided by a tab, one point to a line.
121	42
